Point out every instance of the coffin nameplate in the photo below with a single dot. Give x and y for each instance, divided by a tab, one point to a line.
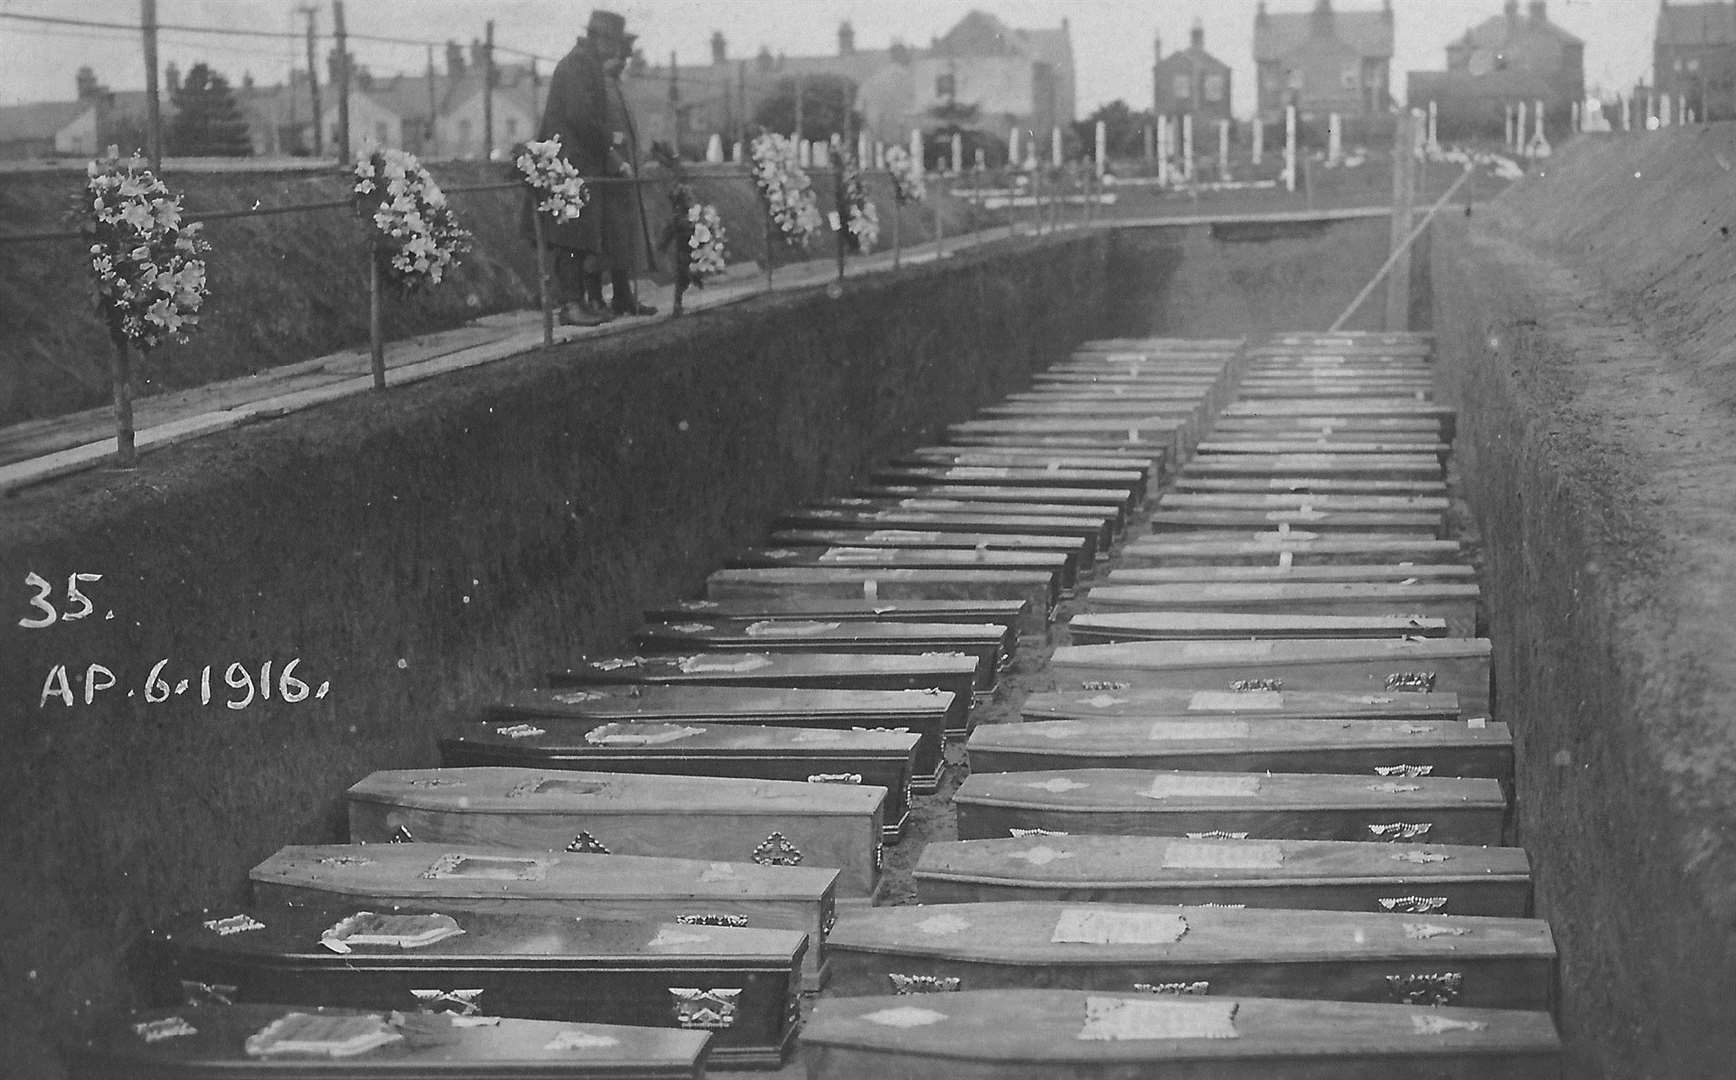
1235	701
1088	926
1185	786
1126	1019
1225	855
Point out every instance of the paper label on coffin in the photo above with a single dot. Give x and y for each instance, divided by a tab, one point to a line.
1164	730
581	1040
1041	855
907	1016
396	931
943	924
579	697
1123	1019
1102	701
668	937
308	1035
856	555
1091	927
1235	701
1186	786
1058	785
704	664
1055	729
792	628
1228	855
639	734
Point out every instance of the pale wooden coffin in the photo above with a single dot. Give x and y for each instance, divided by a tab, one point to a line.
1102	628
1341	875
1116	502
1064	565
1454	602
1431	525
526	719
1458	665
1288	549
1300	389
1195	951
1444	415
947	672
1008	613
1036	476
1246	446
1276	806
739	984
1175	431
1150	444
1040	590
992	645
878	758
209	1042
1097	534
1358	503
934	540
769	822
1165	574
452	877
1156	703
1393	749
1097	1035
1313	465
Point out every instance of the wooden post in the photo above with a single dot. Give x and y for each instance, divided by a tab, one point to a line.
1290	147
897	233
153	107
313	84
341	37
838	200
542	276
376	320
431	148
120	372
939	225
488	91
771	240
1398	281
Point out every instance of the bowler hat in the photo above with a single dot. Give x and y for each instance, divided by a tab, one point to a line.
606	24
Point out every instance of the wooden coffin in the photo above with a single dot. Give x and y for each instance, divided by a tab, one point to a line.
1329	429
1039	589
1305	485
990	644
1323	466
769	822
878	758
1108	502
1007	613
1103	628
1035	476
1195	951
1277	806
1335	448
452	877
740	984
1395	572
1301	389
933	540
1098	1035
218	1042
953	673
1219	500
1187	404
1455	602
1293	548
1063	564
1145	444
1047	460
1174	431
1401	522
577	711
1096	534
1459	665
1397	749
1444	415
1336	875
1156	703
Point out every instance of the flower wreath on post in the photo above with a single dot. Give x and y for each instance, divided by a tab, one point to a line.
559	194
785	192
416	236
907	187
150	277
695	229
857	223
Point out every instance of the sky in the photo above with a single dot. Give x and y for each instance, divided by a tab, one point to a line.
1112	39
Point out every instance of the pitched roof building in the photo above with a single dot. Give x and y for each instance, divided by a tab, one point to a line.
1324	60
1694	57
1513	58
1191	81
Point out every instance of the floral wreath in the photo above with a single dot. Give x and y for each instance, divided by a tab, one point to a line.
417	237
150	278
908	185
862	225
784	188
696	229
551	178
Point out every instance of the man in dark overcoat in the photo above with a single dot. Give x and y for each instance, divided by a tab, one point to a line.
586	110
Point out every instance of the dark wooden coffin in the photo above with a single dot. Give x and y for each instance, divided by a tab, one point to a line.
769	822
1452	601
574	712
1144	474
217	1042
949	672
1458	665
1098	1035
740	984
1151	445
1402	573
452	877
1280	500
1098	535
1395	749
1343	875
1176	432
1063	564
1156	703
1444	415
1320	521
992	645
1039	589
1336	448
1116	502
1314	465
1275	806
1131	481
1010	614
878	758
1295	548
1102	628
1195	951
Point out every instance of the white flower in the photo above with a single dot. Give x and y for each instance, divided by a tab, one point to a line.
784	187
907	182
149	275
547	174
417	234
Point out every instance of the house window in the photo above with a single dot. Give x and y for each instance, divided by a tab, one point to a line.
1694	65
464	135
1350	77
380	132
1214	88
1181	86
945	85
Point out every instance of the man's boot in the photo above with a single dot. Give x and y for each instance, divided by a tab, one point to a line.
625	302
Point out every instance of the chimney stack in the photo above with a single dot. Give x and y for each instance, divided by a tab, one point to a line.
171	77
719	48
454	60
1197	36
1539	11
846	38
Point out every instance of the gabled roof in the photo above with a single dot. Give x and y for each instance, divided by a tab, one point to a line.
1696	24
39	120
1500	30
982	34
1194	56
1277	34
1507	85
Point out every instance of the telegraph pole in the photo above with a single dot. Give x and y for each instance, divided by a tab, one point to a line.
153	108
674	103
433	146
313	81
342	40
488	92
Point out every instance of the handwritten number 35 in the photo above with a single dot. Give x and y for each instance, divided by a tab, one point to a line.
78	605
